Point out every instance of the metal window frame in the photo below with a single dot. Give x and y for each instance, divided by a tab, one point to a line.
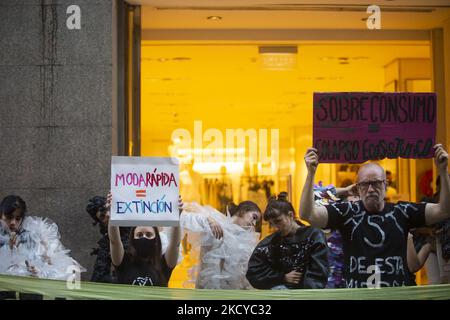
127	116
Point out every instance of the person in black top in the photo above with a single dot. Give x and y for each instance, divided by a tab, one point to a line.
441	229
418	250
441	232
374	231
143	264
102	266
294	257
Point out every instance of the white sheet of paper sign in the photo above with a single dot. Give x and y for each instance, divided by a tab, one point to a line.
145	191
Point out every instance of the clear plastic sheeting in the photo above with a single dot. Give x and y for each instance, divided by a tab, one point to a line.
52	289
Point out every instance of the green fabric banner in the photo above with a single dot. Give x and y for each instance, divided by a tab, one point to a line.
51	289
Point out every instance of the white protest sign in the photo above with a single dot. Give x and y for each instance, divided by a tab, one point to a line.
145	191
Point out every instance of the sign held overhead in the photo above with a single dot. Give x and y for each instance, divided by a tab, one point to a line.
353	127
145	191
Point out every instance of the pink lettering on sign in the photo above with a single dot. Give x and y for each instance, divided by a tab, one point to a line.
353	127
149	179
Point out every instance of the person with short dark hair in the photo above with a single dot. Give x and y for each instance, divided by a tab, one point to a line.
30	246
102	272
13	210
294	257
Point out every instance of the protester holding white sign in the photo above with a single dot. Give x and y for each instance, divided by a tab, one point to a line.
144	264
145	191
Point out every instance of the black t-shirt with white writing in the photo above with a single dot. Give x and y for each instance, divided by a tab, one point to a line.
375	241
139	273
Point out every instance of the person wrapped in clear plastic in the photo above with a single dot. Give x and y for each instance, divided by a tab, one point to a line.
31	246
222	244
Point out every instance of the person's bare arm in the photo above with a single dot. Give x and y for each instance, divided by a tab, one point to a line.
216	229
416	260
413	261
173	249
115	242
316	215
436	212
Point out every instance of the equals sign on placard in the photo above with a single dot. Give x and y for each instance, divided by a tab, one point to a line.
141	193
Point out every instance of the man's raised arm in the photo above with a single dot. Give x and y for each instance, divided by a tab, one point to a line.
437	212
316	215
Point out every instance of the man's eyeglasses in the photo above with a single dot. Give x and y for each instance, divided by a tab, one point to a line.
376	184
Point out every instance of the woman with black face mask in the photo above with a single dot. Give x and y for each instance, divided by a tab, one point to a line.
143	264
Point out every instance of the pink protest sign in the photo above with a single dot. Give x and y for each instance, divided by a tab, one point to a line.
353	127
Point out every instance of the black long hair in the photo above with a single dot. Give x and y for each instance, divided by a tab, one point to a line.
98	204
154	260
12	203
278	206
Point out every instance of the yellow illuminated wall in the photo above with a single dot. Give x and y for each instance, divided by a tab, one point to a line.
230	86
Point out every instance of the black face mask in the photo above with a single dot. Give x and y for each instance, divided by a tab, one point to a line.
145	247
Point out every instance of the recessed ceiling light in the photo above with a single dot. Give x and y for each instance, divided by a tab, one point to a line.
278	57
214	18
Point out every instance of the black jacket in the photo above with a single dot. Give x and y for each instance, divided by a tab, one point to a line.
102	266
274	256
